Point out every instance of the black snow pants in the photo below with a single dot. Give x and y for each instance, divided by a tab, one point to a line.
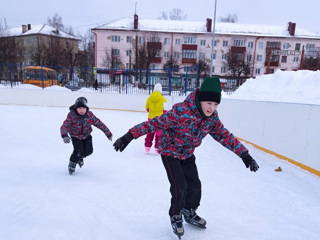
185	185
81	149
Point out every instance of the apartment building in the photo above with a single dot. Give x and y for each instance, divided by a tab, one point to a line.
266	48
32	43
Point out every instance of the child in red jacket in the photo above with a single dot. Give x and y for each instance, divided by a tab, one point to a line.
78	125
183	128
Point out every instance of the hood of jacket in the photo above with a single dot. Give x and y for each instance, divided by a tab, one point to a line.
156	97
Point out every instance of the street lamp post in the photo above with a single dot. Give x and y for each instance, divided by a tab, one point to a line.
213	32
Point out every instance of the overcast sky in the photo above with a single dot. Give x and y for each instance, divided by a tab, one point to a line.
82	15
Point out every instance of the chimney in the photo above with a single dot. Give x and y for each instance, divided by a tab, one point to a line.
24	28
135	23
29	27
291	28
209	24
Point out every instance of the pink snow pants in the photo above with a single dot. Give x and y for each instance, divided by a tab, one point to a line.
149	138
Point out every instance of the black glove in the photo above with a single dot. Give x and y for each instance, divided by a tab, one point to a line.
122	142
249	162
66	139
110	137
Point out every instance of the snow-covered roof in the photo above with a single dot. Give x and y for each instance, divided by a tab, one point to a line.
200	27
39	29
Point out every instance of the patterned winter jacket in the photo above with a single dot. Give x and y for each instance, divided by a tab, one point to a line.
80	126
183	129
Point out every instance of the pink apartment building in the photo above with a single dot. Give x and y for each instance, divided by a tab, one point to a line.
267	48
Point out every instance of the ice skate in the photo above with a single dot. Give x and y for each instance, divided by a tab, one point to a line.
72	167
148	149
191	217
177	225
81	163
156	151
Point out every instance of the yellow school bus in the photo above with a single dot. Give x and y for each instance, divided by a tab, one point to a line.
40	76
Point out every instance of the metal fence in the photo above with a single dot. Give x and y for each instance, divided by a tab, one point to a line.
174	81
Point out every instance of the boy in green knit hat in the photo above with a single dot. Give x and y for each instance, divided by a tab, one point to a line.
183	128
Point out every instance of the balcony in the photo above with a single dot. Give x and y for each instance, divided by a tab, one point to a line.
156	60
272	64
189	60
189	47
238	50
154	45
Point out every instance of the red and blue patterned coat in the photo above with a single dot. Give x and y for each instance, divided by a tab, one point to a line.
80	126
183	129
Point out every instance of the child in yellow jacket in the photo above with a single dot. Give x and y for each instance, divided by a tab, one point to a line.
155	107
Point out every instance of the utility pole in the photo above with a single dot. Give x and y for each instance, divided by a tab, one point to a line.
213	32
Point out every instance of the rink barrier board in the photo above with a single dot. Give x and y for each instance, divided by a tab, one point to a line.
305	167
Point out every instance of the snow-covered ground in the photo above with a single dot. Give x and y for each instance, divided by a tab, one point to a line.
126	195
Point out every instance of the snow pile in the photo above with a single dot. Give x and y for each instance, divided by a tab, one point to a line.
283	86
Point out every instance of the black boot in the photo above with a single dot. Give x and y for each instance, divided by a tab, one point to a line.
81	163
72	167
190	216
177	225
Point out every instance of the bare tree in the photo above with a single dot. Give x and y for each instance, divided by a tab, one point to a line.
112	61
4	30
164	15
232	18
147	52
237	66
56	22
203	68
174	14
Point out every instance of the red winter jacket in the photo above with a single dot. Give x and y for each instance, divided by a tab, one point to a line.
80	126
183	129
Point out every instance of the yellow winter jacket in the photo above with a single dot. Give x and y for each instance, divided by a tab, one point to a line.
155	104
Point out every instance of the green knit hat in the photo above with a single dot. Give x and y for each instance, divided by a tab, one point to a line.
210	90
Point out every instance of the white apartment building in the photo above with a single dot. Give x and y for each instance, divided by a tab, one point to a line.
267	47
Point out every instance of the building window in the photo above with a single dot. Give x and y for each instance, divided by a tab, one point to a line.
225	43
127	66
115	52
223	70
285	46
201	55
249	58
128	52
250	44
176	54
260	45
213	55
296	59
257	71
271	70
166	54
284	59
190	40
178	41
202	42
129	39
154	39
259	58
298	45
153	66
215	43
189	54
239	43
224	56
115	38
141	40
212	69
310	46
167	41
